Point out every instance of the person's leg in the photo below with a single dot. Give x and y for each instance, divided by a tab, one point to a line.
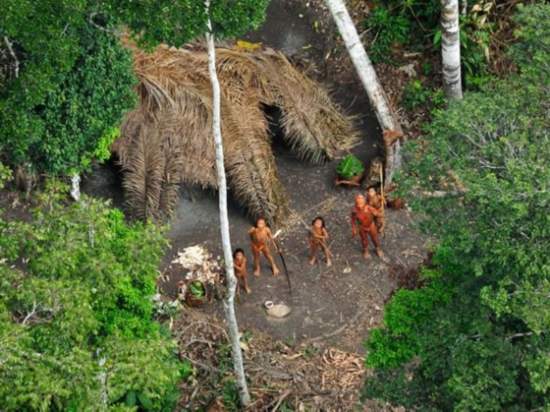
312	252
256	256
364	242
268	256
373	232
245	283
326	251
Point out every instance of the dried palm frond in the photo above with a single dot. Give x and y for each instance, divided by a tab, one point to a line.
144	173
173	122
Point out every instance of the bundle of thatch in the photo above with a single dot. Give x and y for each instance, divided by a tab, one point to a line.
167	140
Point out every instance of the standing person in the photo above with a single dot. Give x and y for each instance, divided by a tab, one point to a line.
318	237
260	235
239	264
362	219
376	202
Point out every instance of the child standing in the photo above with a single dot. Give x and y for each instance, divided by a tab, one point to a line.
239	264
260	236
318	237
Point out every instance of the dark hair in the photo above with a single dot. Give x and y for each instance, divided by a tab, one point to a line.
258	219
237	251
319	218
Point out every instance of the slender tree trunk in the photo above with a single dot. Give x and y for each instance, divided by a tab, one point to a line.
75	187
369	79
229	301
9	45
464	9
104	396
450	49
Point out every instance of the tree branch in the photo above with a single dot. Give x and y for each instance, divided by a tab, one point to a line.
9	45
30	314
518	335
93	23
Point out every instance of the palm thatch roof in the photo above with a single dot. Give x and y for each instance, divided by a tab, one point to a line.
167	140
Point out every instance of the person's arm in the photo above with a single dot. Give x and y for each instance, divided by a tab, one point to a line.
325	234
314	234
242	267
353	225
376	212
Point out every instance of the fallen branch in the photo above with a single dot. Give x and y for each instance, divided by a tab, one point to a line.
281	399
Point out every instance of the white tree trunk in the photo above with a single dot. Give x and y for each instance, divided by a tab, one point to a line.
75	187
369	79
229	301
9	45
450	49
104	396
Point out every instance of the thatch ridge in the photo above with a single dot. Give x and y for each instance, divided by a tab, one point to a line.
167	140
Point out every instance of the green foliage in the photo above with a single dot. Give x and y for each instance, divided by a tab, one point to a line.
531	51
79	307
389	30
397	23
74	86
197	289
476	337
416	24
416	95
230	396
349	167
5	175
176	23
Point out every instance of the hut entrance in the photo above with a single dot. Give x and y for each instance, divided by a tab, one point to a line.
105	181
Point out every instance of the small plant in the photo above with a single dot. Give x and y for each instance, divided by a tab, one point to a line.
197	289
388	30
310	351
349	167
231	396
416	94
5	175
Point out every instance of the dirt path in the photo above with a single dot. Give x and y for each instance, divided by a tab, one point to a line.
323	300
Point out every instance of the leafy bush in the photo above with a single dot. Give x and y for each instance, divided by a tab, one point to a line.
393	22
475	338
79	312
388	30
349	167
74	86
416	94
5	175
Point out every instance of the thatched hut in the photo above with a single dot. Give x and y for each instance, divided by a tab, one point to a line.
167	140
